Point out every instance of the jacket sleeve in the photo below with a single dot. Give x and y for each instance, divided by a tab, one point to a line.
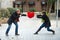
16	16
39	16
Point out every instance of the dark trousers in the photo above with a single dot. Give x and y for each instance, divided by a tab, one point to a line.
43	25
9	26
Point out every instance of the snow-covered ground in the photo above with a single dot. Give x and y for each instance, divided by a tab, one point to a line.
27	27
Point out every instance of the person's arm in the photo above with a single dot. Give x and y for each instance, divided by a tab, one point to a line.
16	16
39	16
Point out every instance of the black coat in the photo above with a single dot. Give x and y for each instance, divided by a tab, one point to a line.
46	20
13	17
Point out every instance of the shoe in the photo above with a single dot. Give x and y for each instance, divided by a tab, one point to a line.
53	32
0	24
7	35
17	34
36	33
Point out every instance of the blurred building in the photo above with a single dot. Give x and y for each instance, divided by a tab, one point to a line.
6	3
30	4
27	5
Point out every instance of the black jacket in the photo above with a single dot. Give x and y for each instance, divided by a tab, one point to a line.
46	20
13	17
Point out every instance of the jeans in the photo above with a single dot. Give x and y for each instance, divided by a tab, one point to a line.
16	29
43	25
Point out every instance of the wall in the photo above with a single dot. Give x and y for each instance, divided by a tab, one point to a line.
6	3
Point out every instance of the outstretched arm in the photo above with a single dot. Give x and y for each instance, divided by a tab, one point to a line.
16	16
39	16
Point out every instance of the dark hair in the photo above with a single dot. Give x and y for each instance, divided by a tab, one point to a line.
44	13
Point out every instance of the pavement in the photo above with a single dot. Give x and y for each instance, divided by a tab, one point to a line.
27	28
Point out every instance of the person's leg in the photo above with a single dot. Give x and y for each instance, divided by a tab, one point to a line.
39	28
16	29
0	23
48	29
7	31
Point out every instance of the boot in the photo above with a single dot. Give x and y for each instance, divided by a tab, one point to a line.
36	33
53	32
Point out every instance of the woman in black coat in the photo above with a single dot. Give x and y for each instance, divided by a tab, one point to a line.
14	18
45	24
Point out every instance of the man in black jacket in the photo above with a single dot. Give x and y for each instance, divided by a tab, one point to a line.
14	18
45	24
